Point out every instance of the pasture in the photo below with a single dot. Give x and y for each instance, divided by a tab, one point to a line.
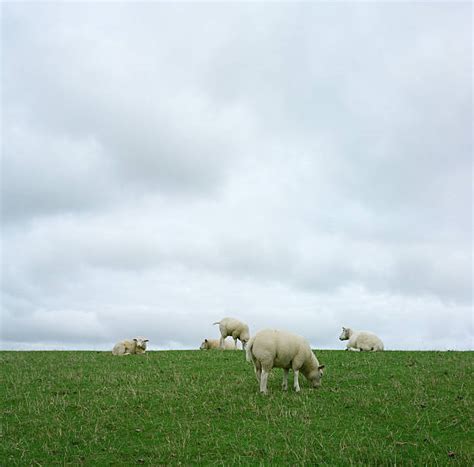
203	407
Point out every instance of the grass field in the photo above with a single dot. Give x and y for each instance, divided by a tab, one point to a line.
198	407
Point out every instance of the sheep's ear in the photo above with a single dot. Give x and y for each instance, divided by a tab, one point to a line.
321	367
205	340
145	340
135	339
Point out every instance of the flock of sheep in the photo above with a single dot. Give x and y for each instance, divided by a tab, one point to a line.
269	349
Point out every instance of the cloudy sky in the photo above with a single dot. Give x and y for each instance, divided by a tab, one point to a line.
303	166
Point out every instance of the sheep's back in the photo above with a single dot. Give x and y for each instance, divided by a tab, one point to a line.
368	341
278	348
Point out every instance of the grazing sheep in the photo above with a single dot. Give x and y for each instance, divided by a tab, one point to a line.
361	340
209	344
271	348
128	347
235	328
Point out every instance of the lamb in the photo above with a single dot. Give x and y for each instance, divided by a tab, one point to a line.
361	340
209	344
280	349
235	328
128	347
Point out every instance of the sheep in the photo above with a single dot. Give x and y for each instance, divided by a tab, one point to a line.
235	328
361	340
209	344
128	347
280	349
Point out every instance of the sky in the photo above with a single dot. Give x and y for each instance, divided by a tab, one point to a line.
299	166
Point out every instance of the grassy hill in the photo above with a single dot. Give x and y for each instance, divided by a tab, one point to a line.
204	407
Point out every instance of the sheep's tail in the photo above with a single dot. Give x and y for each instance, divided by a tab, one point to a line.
248	350
217	322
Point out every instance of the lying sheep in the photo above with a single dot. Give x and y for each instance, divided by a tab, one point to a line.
361	340
209	344
128	347
235	328
271	348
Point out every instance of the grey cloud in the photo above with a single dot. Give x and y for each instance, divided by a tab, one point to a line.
316	262
46	175
184	322
164	164
59	325
148	138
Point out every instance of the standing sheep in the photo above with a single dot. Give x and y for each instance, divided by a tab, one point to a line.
280	349
128	347
361	340
209	344
236	329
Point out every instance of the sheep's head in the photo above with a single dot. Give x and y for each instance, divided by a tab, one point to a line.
314	377
345	334
140	343
204	345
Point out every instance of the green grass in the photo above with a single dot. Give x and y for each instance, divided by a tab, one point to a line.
183	407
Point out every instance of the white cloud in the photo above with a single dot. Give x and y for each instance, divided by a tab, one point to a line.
304	166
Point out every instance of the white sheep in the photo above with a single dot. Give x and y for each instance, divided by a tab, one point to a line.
280	349
209	344
235	328
361	340
128	347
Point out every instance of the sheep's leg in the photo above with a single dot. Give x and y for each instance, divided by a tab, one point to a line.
284	385
258	372
263	381
235	342
296	384
221	343
258	369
